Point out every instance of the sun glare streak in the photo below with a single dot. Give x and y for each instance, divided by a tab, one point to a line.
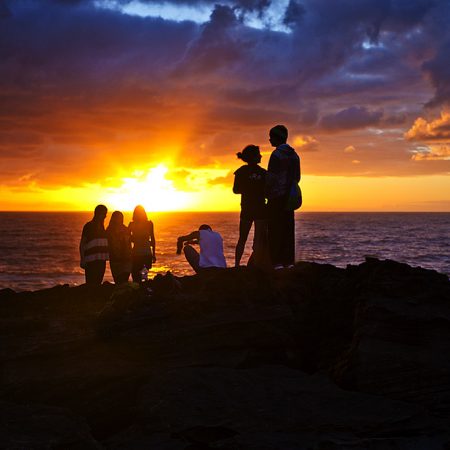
150	189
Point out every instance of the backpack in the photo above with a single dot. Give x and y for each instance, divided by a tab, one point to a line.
294	199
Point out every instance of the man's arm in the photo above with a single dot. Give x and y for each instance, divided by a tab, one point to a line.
195	235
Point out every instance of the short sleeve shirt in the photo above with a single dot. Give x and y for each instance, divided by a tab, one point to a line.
249	181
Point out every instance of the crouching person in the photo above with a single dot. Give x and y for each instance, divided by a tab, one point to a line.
211	249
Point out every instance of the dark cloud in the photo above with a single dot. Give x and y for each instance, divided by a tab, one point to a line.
218	47
438	69
294	13
79	82
4	10
309	116
350	119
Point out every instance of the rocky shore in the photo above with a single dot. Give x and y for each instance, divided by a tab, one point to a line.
313	357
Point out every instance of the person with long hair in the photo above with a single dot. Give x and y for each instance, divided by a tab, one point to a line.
119	244
143	240
249	181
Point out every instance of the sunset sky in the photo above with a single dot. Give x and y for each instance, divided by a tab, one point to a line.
124	102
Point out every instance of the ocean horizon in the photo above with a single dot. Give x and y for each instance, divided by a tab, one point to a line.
40	249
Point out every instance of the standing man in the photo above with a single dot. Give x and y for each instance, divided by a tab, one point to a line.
283	171
211	249
94	247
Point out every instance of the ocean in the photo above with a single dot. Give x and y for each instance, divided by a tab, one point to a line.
40	249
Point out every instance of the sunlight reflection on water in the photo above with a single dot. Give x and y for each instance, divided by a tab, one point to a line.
39	250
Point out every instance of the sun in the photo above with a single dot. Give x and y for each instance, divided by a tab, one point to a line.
150	189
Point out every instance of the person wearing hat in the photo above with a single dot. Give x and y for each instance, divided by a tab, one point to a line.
249	181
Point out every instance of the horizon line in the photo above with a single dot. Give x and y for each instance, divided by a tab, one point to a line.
231	211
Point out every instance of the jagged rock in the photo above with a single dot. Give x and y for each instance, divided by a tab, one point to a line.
6	294
207	405
42	427
220	360
402	336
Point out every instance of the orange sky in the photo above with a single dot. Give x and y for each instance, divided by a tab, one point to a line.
110	104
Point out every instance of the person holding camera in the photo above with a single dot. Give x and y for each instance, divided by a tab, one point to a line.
211	249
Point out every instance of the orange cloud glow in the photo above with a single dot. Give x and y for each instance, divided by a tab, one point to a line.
102	105
437	130
432	153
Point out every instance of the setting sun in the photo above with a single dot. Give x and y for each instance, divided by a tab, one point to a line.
150	189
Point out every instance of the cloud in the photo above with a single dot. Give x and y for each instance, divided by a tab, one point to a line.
432	153
4	10
294	13
89	92
350	119
438	71
349	149
437	130
305	143
227	180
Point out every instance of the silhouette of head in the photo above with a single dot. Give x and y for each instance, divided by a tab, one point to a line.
100	212
139	214
205	227
116	219
250	154
278	135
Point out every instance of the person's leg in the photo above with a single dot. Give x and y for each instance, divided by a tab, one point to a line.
94	272
275	229
101	271
137	265
147	262
260	256
119	271
192	257
288	235
244	229
88	271
122	277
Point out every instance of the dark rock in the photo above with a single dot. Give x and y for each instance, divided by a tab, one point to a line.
6	293
312	357
39	427
206	405
401	337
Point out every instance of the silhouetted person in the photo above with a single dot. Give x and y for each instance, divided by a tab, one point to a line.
282	172
249	181
94	247
211	249
119	244
144	244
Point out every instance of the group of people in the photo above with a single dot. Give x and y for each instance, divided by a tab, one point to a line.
133	249
128	249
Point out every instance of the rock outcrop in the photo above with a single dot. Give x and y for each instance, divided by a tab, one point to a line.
313	357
